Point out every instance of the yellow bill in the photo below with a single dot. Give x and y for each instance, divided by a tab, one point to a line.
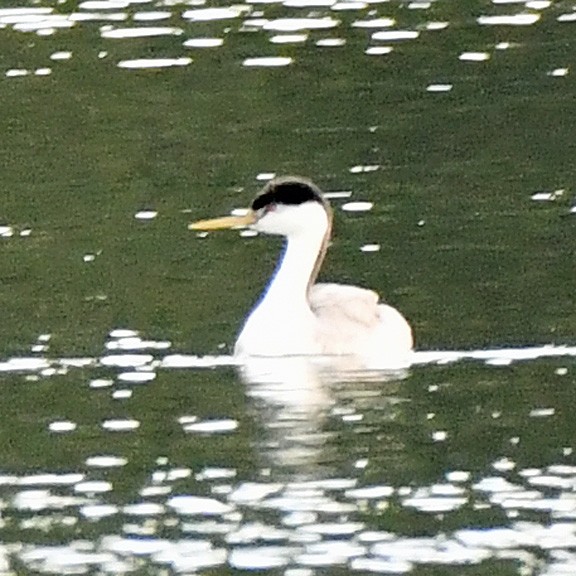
224	222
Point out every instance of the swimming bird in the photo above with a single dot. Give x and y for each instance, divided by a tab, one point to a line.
296	316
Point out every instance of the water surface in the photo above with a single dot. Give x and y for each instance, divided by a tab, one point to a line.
443	132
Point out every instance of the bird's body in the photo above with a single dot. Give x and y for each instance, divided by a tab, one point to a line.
298	317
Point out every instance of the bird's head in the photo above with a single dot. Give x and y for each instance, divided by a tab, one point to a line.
289	206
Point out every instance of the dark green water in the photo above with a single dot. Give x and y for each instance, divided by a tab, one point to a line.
464	466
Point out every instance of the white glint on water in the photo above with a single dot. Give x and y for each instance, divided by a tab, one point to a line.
106	461
146	215
395	35
145	32
357	206
474	56
331	42
297	24
271	61
62	426
203	42
374	23
143	63
289	38
119	425
208	14
439	88
211	426
512	20
379	50
370	248
62	55
559	72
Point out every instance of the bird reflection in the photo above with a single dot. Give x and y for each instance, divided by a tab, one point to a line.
299	402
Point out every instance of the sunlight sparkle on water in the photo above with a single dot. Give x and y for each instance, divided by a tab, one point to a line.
126	360
24	365
542	412
211	426
62	426
7	13
379	50
538	4
297	24
105	461
331	42
264	177
143	63
192	505
267	61
252	492
203	42
93	487
547	196
151	16
120	425
122	333
61	55
570	17
374	23
512	20
289	38
370	492
193	361
439	88
104	4
137	377
141	32
16	72
36	22
101	383
357	206
338	194
308	3
260	557
207	14
97	511
474	56
395	35
436	25
364	168
146	214
144	509
458	476
99	17
136	343
351	5
559	72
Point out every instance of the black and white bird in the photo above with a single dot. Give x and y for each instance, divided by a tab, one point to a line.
298	317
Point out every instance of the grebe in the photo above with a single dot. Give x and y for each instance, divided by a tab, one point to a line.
297	317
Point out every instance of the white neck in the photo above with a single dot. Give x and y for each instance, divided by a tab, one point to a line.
282	321
289	285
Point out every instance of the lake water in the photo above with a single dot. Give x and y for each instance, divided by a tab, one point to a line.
443	132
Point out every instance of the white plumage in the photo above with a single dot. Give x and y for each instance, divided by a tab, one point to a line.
297	317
